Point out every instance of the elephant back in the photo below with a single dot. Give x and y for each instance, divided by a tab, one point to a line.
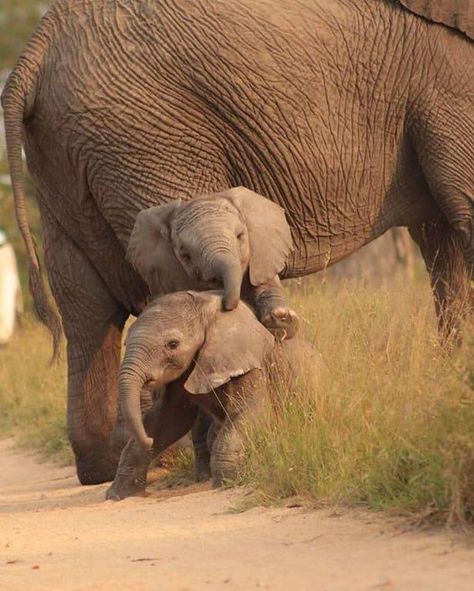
456	14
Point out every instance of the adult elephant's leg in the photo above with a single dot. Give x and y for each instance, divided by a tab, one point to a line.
93	323
443	135
449	275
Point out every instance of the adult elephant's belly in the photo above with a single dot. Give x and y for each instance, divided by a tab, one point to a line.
148	118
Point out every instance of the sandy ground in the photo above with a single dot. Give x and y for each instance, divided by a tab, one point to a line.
57	535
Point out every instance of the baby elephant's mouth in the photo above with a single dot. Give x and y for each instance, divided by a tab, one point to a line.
151	384
212	283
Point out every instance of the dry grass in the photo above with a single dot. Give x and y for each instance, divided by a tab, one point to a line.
32	393
392	425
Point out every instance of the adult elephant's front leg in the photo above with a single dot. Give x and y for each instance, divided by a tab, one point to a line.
93	323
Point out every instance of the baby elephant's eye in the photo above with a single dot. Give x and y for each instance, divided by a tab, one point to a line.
185	257
240	234
172	344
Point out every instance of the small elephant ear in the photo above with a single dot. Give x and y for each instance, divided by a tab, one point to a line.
270	238
235	344
150	250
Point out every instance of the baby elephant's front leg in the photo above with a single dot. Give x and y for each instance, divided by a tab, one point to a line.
273	310
243	400
130	478
227	453
171	417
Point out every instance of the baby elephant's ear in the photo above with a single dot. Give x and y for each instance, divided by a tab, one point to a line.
150	250
235	344
270	238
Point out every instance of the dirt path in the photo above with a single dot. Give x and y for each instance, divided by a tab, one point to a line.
56	535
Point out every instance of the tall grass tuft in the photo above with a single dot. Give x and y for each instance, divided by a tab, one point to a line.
391	425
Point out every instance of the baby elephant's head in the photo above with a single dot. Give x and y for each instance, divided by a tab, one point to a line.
211	241
188	331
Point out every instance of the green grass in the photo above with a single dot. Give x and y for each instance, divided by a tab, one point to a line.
392	423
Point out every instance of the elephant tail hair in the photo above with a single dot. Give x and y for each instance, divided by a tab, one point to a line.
16	98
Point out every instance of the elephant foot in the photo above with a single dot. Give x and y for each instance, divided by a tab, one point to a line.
282	322
130	479
224	475
123	488
97	467
202	470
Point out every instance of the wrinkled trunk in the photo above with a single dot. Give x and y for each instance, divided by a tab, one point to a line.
131	383
228	269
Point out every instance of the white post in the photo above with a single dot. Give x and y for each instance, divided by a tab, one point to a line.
10	290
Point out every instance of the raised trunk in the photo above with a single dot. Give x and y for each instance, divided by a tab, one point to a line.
230	272
130	385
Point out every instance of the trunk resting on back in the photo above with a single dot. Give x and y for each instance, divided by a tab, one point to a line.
228	269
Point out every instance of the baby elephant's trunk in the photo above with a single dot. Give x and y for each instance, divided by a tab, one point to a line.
230	272
130	386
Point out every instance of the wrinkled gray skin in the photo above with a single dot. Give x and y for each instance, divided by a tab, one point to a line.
221	364
210	360
353	116
221	239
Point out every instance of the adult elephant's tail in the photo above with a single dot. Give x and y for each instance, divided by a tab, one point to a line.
17	102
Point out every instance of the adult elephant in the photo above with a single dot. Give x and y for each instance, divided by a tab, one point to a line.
353	116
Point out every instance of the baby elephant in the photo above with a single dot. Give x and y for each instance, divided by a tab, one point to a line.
211	360
236	240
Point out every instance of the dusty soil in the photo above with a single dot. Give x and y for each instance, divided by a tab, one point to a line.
57	535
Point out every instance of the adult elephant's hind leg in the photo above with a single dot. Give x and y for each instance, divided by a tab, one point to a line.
93	323
449	275
443	134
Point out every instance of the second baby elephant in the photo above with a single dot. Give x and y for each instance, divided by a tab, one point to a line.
210	360
235	239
